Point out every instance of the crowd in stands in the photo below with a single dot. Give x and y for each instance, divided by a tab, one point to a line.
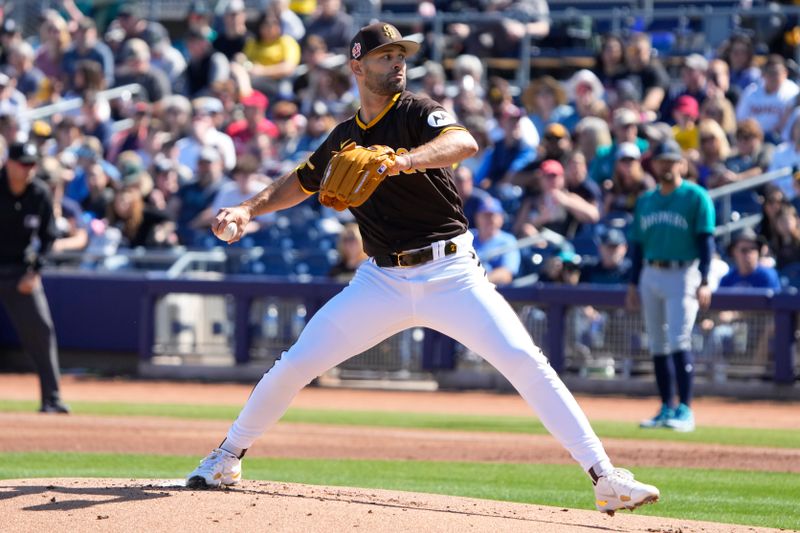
235	98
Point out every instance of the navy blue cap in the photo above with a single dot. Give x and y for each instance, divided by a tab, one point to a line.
668	151
612	236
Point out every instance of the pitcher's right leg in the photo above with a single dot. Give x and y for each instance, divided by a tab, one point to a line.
366	312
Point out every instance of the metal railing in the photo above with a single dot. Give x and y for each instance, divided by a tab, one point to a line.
38	113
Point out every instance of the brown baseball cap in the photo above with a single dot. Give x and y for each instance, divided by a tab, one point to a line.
376	36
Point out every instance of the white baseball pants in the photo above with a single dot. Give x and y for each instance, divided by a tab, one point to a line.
450	294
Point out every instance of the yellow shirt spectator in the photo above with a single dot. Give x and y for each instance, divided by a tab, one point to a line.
283	49
687	139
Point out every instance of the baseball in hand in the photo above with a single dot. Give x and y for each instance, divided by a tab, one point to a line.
228	233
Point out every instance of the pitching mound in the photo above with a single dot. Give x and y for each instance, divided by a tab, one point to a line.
165	505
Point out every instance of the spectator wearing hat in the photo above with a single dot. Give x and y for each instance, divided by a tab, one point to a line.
198	20
136	68
320	124
471	197
612	265
30	80
770	101
204	133
206	66
586	95
746	250
254	122
333	24
26	211
685	113
645	72
629	181
272	55
554	207
556	144
625	129
496	248
694	83
10	34
509	154
87	47
546	103
193	201
231	40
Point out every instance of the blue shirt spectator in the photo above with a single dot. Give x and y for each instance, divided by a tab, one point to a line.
88	47
509	154
747	272
471	197
612	267
496	248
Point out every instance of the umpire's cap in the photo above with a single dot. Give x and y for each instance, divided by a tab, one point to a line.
376	36
23	153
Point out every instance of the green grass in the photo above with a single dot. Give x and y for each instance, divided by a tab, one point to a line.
774	438
765	499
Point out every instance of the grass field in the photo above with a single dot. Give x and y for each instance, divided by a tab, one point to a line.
739	497
772	438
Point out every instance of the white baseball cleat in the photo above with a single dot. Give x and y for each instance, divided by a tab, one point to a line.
618	490
219	468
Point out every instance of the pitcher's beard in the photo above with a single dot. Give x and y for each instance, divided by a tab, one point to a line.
386	87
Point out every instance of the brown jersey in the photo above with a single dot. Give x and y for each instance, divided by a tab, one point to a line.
414	208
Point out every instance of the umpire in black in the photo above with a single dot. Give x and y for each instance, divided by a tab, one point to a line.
26	219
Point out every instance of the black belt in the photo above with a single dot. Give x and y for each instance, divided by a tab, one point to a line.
412	258
668	264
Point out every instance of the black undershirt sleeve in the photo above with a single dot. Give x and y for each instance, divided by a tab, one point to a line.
705	245
637	258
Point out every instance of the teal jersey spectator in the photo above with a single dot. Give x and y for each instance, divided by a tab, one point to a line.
666	227
602	166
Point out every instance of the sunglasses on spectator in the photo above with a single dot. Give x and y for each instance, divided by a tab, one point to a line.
554	138
551	176
707	139
627	160
745	137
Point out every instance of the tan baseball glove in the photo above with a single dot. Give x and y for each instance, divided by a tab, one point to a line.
353	174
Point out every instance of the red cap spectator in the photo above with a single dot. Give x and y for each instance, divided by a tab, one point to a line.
255	99
687	105
551	166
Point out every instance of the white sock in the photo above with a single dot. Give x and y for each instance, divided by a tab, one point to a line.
233	450
601	468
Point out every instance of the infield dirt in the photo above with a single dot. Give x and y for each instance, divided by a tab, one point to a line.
118	505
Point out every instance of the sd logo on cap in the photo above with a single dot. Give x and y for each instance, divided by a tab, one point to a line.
376	36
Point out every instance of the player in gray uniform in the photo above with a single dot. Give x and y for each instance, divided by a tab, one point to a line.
672	244
422	271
